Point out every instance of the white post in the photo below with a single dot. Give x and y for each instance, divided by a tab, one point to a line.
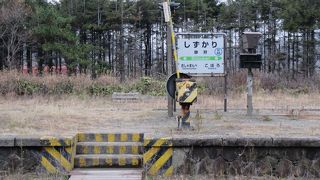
249	92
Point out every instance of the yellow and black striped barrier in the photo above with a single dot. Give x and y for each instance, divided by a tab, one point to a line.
111	161
110	137
57	156
157	157
186	90
133	148
109	150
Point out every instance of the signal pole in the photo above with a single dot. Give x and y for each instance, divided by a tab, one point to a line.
169	62
171	50
249	59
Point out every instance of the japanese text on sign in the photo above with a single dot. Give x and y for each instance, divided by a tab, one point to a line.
201	55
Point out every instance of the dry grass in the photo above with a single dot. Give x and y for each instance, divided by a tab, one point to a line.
212	177
68	115
263	100
13	84
16	84
29	176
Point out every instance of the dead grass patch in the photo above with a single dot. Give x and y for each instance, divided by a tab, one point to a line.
30	176
67	115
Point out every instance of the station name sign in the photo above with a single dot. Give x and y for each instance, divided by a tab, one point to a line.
201	55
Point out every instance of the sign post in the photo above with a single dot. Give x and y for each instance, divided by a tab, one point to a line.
249	59
203	54
166	10
166	5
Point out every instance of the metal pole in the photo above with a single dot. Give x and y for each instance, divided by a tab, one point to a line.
174	106
249	92
169	63
226	69
225	92
171	50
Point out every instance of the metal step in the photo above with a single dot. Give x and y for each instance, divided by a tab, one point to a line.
106	174
109	148
107	161
110	137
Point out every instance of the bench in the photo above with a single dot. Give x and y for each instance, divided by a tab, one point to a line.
117	96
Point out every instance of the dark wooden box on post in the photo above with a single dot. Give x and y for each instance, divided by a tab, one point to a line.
253	61
249	58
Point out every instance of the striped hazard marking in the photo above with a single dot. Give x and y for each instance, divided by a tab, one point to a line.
57	158
187	91
157	157
110	137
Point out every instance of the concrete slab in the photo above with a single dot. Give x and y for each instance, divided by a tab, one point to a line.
28	141
296	142
43	141
106	174
6	141
247	141
202	141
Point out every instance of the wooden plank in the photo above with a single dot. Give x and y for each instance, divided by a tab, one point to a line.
125	96
106	174
92	177
88	171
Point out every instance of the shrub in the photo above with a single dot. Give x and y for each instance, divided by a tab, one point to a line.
12	83
269	82
150	86
63	87
5	87
27	87
103	90
237	82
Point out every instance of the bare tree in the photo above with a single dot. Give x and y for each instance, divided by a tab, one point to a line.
13	33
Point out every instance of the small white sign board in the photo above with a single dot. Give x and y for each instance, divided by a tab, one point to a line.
166	11
204	55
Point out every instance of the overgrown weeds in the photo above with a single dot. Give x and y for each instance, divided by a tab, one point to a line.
213	177
16	84
12	83
262	82
30	176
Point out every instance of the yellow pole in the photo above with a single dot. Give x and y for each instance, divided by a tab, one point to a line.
173	40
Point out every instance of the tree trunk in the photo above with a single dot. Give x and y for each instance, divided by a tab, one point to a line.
29	59
122	65
40	61
109	49
1	58
288	53
293	55
148	60
60	63
312	59
232	68
305	54
93	58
